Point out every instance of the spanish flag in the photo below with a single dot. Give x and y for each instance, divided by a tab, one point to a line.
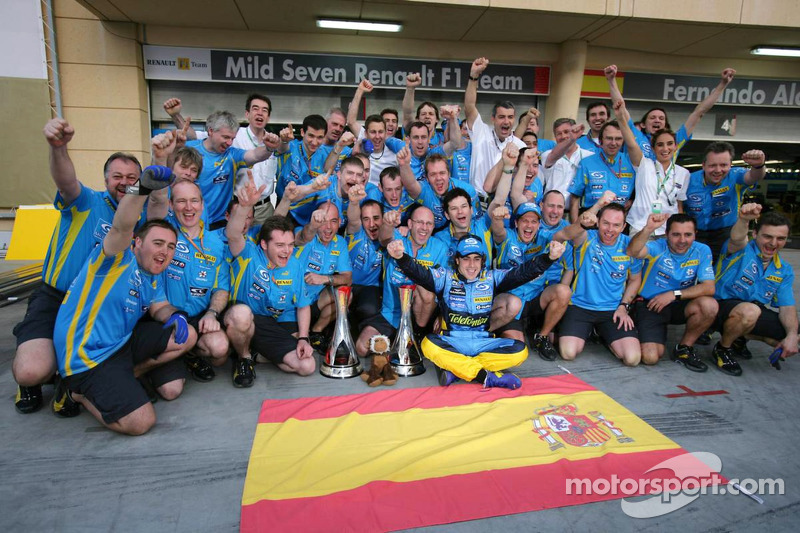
398	459
595	84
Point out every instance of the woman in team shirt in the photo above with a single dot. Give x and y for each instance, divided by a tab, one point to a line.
660	184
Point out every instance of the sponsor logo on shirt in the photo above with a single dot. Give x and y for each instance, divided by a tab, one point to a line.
691	262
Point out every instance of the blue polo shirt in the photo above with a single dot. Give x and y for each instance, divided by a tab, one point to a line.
266	289
585	142
318	258
741	276
598	174
480	227
665	271
601	273
302	210
366	258
216	181
715	206
432	201
433	253
461	162
101	308
297	166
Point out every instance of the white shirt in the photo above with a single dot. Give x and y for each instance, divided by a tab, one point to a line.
561	173
648	175
378	160
486	152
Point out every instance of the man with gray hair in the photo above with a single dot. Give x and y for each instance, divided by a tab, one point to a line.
487	141
221	161
561	163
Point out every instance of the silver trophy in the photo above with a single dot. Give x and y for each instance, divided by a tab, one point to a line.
341	360
404	355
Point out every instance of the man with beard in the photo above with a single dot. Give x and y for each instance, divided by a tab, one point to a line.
266	284
677	288
605	284
487	141
198	279
101	345
609	170
85	216
753	280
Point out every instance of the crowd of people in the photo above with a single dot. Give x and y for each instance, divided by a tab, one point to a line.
510	240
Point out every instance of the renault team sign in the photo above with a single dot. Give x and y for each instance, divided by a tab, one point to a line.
197	64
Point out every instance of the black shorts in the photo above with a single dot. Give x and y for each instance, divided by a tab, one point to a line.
380	324
366	303
149	340
40	317
531	309
273	339
578	322
652	326
111	387
714	238
768	324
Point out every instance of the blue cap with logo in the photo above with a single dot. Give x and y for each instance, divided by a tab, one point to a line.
470	244
527	207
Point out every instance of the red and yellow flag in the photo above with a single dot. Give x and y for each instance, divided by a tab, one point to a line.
397	459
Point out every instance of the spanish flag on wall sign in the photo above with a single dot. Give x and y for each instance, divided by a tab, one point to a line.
398	459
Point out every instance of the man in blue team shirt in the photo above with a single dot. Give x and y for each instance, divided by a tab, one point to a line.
198	279
597	114
85	217
715	193
326	263
752	280
655	119
102	345
419	137
461	161
365	217
427	112
605	284
430	192
301	160
426	251
394	196
458	210
677	288
221	161
609	170
266	284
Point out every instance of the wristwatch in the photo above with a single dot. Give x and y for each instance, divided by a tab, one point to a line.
677	294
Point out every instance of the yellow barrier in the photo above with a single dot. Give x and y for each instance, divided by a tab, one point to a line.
33	228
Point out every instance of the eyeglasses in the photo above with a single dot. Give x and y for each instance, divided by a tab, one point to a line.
424	224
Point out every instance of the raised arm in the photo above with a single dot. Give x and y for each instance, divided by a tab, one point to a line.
576	232
355	195
413	81
173	108
613	89
248	196
471	92
163	145
518	183
454	139
564	146
419	274
531	269
709	101
638	246
352	111
59	133
525	121
410	183
391	219
634	150
346	139
505	165
757	160
747	213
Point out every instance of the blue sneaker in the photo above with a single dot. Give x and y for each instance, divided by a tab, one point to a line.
446	378
506	381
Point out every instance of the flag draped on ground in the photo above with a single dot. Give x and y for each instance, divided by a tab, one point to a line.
396	459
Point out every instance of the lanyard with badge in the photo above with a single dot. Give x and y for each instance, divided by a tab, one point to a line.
200	249
661	180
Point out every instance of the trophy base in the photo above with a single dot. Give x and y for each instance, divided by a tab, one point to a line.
340	371
407	370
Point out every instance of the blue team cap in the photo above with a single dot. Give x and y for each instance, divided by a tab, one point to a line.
527	207
470	244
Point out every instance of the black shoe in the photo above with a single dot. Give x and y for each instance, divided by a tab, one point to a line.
686	356
739	346
544	347
63	404
723	358
318	341
199	369
705	338
244	373
28	400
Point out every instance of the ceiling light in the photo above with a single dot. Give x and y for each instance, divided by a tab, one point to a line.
363	25
780	51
